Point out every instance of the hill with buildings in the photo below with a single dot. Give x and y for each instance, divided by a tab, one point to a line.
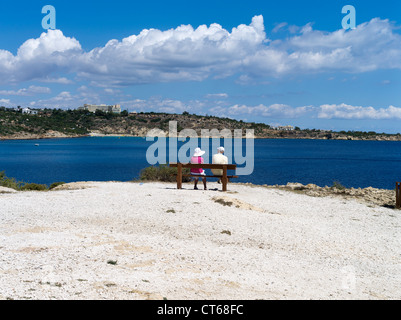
26	123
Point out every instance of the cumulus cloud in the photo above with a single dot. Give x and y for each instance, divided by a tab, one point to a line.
187	53
371	46
344	111
325	111
63	100
159	104
183	53
32	90
60	80
272	111
68	100
5	102
217	95
39	58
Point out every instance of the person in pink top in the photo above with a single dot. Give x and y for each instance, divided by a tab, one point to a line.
196	172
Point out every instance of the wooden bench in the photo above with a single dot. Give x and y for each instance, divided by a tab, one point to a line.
224	178
398	195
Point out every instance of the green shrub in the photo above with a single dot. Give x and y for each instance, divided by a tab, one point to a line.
142	120
162	173
9	182
23	186
149	173
338	185
34	187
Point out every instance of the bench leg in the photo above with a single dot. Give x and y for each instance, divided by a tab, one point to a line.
179	176
224	178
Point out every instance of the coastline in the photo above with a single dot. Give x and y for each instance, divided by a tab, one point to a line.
51	135
58	135
148	240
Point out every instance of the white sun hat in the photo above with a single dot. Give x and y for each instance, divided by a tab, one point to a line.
221	149
198	152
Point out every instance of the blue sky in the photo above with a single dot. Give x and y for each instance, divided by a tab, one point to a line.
277	62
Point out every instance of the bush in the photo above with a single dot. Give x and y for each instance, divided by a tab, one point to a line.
19	185
33	187
23	186
162	173
338	185
9	182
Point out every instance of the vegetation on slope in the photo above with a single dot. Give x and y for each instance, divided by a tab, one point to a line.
82	122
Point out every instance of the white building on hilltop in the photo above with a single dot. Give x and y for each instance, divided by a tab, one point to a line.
285	128
28	111
102	107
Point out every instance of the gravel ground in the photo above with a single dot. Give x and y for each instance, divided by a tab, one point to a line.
114	240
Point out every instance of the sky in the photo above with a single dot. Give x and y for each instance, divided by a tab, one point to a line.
276	62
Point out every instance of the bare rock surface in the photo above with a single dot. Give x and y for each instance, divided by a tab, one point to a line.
114	240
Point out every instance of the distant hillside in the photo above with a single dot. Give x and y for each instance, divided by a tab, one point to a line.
50	123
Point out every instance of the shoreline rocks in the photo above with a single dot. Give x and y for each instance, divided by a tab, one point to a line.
380	197
7	190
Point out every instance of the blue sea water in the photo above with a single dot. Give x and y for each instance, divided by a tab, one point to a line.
277	161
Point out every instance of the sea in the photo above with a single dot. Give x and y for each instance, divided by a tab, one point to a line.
357	164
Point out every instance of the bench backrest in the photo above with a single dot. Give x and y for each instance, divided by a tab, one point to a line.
206	166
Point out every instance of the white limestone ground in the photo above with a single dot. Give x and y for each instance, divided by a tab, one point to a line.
115	240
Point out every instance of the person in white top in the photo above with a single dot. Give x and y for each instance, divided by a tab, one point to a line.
219	158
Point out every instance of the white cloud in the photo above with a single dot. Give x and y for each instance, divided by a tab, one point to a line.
26	91
68	100
158	104
216	95
272	111
5	102
344	111
186	53
39	58
371	46
46	45
279	26
183	53
61	80
325	111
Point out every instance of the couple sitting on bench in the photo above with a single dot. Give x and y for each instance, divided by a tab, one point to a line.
218	158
